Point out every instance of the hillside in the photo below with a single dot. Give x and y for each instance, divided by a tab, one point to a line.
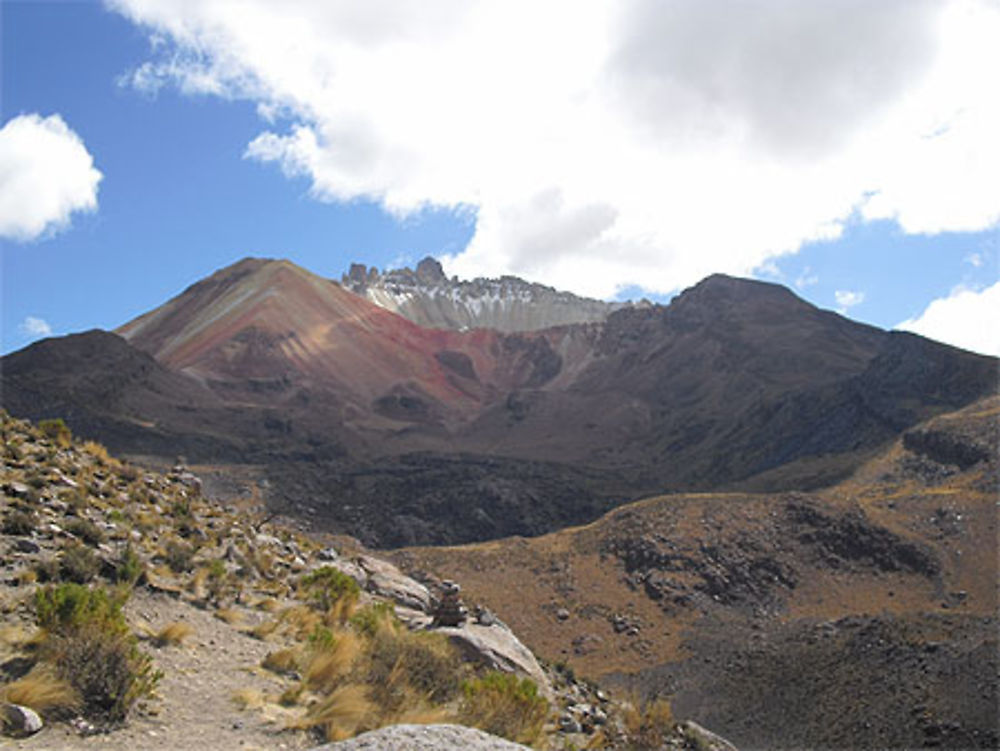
860	616
170	621
354	418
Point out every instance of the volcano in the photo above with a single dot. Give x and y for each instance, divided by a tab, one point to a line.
359	420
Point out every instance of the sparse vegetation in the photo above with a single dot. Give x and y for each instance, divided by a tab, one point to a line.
55	429
21	523
77	563
88	645
327	586
85	530
505	705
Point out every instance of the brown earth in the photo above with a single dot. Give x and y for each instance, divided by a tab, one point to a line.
861	616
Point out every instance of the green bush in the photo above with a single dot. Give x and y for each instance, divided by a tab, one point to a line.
89	644
66	608
86	530
57	431
504	705
328	585
77	563
368	619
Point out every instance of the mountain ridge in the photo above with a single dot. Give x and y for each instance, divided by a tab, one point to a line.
446	436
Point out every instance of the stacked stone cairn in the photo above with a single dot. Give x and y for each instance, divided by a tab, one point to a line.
449	611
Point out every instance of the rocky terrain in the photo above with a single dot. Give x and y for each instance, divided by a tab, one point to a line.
242	633
859	616
273	381
429	298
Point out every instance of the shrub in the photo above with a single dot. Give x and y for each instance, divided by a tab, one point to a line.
282	661
77	563
373	618
504	705
340	713
89	645
327	585
405	665
179	557
129	568
19	523
649	724
98	451
86	530
56	431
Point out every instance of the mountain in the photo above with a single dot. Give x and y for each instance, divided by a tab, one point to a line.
361	421
863	615
429	298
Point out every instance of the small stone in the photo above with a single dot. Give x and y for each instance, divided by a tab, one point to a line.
24	545
562	614
568	723
328	554
20	721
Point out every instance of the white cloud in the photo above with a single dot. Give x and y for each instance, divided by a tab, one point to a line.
46	174
847	298
35	327
607	143
806	279
967	318
974	259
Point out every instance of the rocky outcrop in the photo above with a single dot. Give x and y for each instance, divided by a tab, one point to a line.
496	648
429	298
423	738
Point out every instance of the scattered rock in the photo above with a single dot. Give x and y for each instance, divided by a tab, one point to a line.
562	614
20	721
705	739
24	545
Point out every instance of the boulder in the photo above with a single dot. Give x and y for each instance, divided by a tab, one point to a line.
706	739
424	738
385	580
20	721
497	648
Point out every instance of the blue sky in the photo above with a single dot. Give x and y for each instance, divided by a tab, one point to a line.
206	155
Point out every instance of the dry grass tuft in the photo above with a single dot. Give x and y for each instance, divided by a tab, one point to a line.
263	630
282	661
43	691
229	615
173	634
249	698
341	713
330	660
268	605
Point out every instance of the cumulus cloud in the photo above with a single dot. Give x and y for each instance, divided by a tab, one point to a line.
966	318
35	327
610	144
46	174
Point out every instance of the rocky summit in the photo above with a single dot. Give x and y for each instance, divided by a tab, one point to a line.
429	298
342	413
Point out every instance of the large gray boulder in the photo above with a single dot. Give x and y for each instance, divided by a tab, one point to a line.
385	580
424	738
495	647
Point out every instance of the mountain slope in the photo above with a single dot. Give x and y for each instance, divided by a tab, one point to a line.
860	616
366	423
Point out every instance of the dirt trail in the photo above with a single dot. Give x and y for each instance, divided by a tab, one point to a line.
194	709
